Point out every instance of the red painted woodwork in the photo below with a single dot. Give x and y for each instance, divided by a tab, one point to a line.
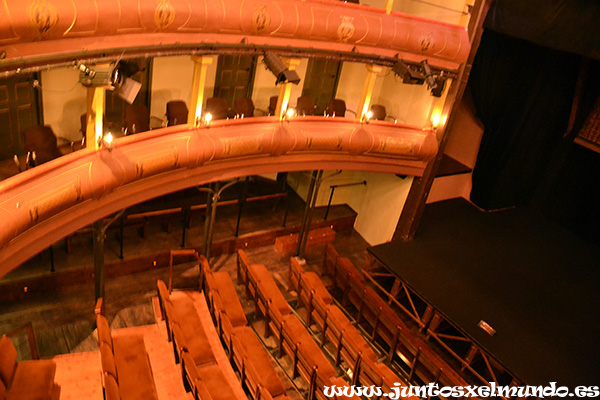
42	31
48	202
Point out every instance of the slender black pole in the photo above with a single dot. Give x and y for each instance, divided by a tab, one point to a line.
241	203
121	239
52	259
98	235
311	189
304	238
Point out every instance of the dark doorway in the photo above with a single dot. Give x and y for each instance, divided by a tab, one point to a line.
320	84
235	76
19	110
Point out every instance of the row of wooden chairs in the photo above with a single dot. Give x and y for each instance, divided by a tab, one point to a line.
126	370
308	360
245	349
201	373
337	329
415	357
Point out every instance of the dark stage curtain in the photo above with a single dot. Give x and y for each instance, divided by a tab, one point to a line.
523	95
568	25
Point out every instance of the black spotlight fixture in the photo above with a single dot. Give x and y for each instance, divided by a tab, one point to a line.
409	75
429	77
114	76
278	68
440	82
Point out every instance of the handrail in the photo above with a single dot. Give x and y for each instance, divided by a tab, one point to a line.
28	326
46	203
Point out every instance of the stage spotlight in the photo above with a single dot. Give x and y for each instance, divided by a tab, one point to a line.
429	77
278	68
115	77
106	141
408	74
440	82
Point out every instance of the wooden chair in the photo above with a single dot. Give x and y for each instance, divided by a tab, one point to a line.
379	112
305	106
273	104
217	107
177	112
137	119
41	145
244	107
337	108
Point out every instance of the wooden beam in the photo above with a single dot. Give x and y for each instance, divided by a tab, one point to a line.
419	190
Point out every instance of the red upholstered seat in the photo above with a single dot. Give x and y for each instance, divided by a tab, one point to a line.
311	352
314	282
24	380
133	366
269	289
254	353
295	330
229	298
216	383
194	337
32	380
336	318
355	344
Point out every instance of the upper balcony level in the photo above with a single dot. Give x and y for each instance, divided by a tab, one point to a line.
37	33
43	41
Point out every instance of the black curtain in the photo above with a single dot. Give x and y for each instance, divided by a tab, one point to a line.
523	95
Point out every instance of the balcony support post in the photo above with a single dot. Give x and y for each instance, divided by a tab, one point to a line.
415	202
95	116
365	99
285	89
198	83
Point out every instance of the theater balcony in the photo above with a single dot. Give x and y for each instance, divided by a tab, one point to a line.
65	56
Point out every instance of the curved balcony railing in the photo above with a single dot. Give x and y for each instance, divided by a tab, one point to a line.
41	32
48	202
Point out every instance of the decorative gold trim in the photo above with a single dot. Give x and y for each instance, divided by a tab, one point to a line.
42	16
346	29
164	15
261	19
157	162
48	204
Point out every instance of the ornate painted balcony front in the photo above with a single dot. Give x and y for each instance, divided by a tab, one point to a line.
46	203
41	32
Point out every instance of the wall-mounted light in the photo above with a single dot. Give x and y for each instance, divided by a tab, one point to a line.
106	141
279	69
206	120
289	114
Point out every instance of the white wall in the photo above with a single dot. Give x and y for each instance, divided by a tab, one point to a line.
264	84
172	80
409	104
378	204
448	11
64	100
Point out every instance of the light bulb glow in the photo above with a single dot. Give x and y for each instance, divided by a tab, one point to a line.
207	118
108	138
290	113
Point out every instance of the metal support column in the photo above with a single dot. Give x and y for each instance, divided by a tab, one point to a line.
98	237
311	189
241	203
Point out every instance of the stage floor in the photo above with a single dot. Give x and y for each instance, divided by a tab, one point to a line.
535	283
